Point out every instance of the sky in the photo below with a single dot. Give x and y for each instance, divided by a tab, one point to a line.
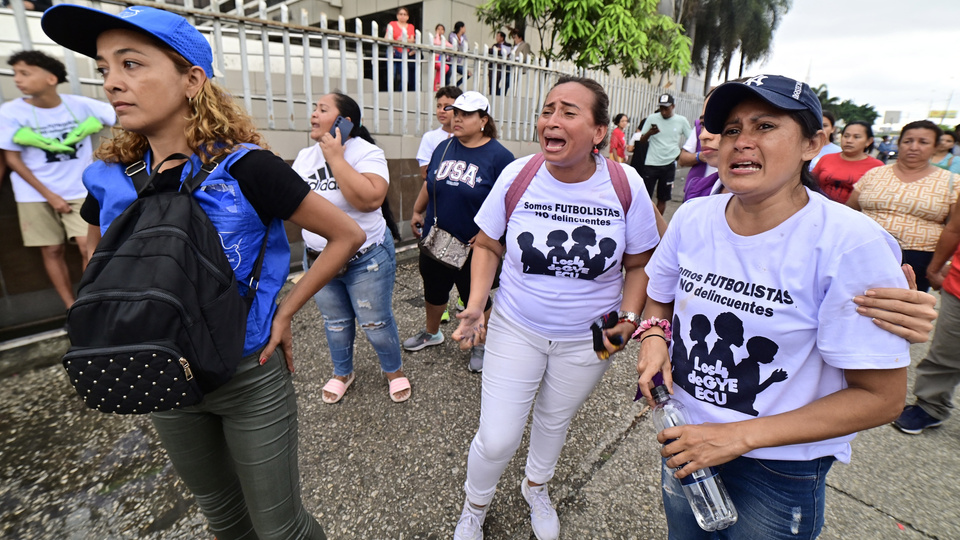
897	55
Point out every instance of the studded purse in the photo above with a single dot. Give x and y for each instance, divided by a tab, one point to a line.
133	379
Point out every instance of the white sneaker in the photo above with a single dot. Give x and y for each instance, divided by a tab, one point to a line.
470	525
543	517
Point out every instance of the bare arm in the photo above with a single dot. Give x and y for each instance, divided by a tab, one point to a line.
854	200
687	159
15	161
419	207
487	253
93	238
946	247
872	397
634	297
364	191
344	238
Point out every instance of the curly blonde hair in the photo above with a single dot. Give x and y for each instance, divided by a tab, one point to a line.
215	127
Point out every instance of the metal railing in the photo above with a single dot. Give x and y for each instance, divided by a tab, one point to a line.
282	66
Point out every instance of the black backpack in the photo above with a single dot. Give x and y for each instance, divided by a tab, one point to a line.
158	320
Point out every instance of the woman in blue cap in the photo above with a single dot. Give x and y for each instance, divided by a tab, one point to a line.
237	449
757	265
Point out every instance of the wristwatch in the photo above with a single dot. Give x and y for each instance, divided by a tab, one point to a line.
629	316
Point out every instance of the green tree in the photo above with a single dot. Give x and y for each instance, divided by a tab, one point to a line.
723	28
845	110
597	34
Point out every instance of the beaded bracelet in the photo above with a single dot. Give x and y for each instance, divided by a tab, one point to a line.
650	323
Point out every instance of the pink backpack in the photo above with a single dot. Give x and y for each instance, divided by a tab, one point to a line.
617	176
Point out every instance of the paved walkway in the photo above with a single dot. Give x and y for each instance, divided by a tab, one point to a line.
373	469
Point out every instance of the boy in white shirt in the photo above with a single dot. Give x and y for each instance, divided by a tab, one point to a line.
45	137
445	97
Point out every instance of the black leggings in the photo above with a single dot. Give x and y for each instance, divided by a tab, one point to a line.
439	279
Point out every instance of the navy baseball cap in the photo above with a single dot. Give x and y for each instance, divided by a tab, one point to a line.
777	90
78	27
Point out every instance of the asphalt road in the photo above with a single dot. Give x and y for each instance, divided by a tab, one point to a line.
372	469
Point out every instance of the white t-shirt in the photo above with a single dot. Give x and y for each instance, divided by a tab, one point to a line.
574	235
691	146
429	143
61	173
764	324
362	156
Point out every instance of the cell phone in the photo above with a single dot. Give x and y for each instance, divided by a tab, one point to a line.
604	322
345	125
652	126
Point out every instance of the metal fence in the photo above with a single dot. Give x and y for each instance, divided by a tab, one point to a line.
279	68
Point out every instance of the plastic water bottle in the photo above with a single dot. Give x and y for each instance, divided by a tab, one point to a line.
704	490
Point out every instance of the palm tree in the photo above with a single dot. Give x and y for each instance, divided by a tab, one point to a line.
721	28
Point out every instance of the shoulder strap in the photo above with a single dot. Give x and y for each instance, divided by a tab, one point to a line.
442	156
141	181
620	185
617	175
521	182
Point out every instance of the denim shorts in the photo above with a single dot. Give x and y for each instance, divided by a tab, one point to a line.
774	500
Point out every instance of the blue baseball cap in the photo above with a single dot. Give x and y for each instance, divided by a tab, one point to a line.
78	27
781	92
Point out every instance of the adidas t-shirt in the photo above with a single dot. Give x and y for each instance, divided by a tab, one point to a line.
362	156
564	246
59	172
764	324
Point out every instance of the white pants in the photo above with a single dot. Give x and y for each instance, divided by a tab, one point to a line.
516	364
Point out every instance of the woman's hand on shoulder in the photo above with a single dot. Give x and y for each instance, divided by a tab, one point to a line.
907	313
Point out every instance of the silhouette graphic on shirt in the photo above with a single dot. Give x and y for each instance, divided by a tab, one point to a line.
555	240
683	365
608	246
575	263
729	330
716	377
583	237
534	262
761	350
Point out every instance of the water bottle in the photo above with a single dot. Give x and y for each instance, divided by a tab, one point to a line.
704	490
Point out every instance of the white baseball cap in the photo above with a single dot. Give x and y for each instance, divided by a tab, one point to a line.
469	102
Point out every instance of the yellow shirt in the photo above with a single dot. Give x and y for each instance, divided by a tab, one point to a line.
913	212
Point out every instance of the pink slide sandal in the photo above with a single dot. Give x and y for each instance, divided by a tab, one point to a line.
337	387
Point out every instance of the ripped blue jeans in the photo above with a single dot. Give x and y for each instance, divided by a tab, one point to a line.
363	294
774	500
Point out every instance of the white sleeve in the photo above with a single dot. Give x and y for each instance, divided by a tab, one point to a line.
425	151
691	144
8	126
492	217
663	269
636	137
846	339
103	111
373	161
